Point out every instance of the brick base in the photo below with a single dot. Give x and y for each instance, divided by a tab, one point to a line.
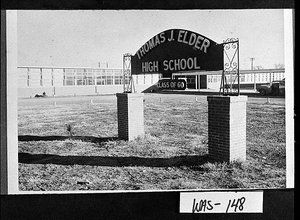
130	115
227	127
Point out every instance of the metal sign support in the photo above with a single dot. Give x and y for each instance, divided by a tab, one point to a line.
128	84
231	73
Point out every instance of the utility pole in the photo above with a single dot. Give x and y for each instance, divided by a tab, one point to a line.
252	68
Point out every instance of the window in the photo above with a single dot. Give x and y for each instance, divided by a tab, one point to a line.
190	80
118	80
70	77
22	77
34	75
215	78
100	77
242	78
58	77
109	77
118	76
39	76
209	79
46	77
148	79
90	79
80	77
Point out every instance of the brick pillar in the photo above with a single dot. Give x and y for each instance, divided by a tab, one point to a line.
130	115
227	127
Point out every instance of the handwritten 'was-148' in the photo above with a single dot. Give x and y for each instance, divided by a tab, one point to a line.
207	205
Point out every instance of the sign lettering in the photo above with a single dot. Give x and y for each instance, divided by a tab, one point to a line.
172	84
183	36
177	50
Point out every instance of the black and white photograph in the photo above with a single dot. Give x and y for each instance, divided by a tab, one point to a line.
143	100
147	113
152	100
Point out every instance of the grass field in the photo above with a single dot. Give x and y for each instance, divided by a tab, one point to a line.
73	145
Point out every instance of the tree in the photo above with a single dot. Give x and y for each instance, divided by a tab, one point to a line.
279	66
258	67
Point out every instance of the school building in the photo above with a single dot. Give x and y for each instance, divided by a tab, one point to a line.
72	81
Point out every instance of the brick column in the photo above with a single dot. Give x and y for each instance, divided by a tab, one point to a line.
130	115
227	127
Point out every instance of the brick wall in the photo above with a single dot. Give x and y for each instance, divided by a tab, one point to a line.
130	115
227	127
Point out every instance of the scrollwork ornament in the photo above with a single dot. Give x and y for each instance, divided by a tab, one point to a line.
230	43
231	63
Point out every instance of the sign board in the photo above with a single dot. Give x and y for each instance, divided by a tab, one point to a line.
172	84
177	50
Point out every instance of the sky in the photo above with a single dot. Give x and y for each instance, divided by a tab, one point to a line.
79	38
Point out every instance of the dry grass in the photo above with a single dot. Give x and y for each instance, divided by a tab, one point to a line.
172	155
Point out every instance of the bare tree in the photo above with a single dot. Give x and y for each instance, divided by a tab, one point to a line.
279	66
258	67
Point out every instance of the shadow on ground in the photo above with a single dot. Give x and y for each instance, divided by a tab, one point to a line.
112	161
62	138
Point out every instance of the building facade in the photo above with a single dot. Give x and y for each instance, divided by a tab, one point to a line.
72	81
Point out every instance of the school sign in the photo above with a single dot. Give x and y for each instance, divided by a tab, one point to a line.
177	50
